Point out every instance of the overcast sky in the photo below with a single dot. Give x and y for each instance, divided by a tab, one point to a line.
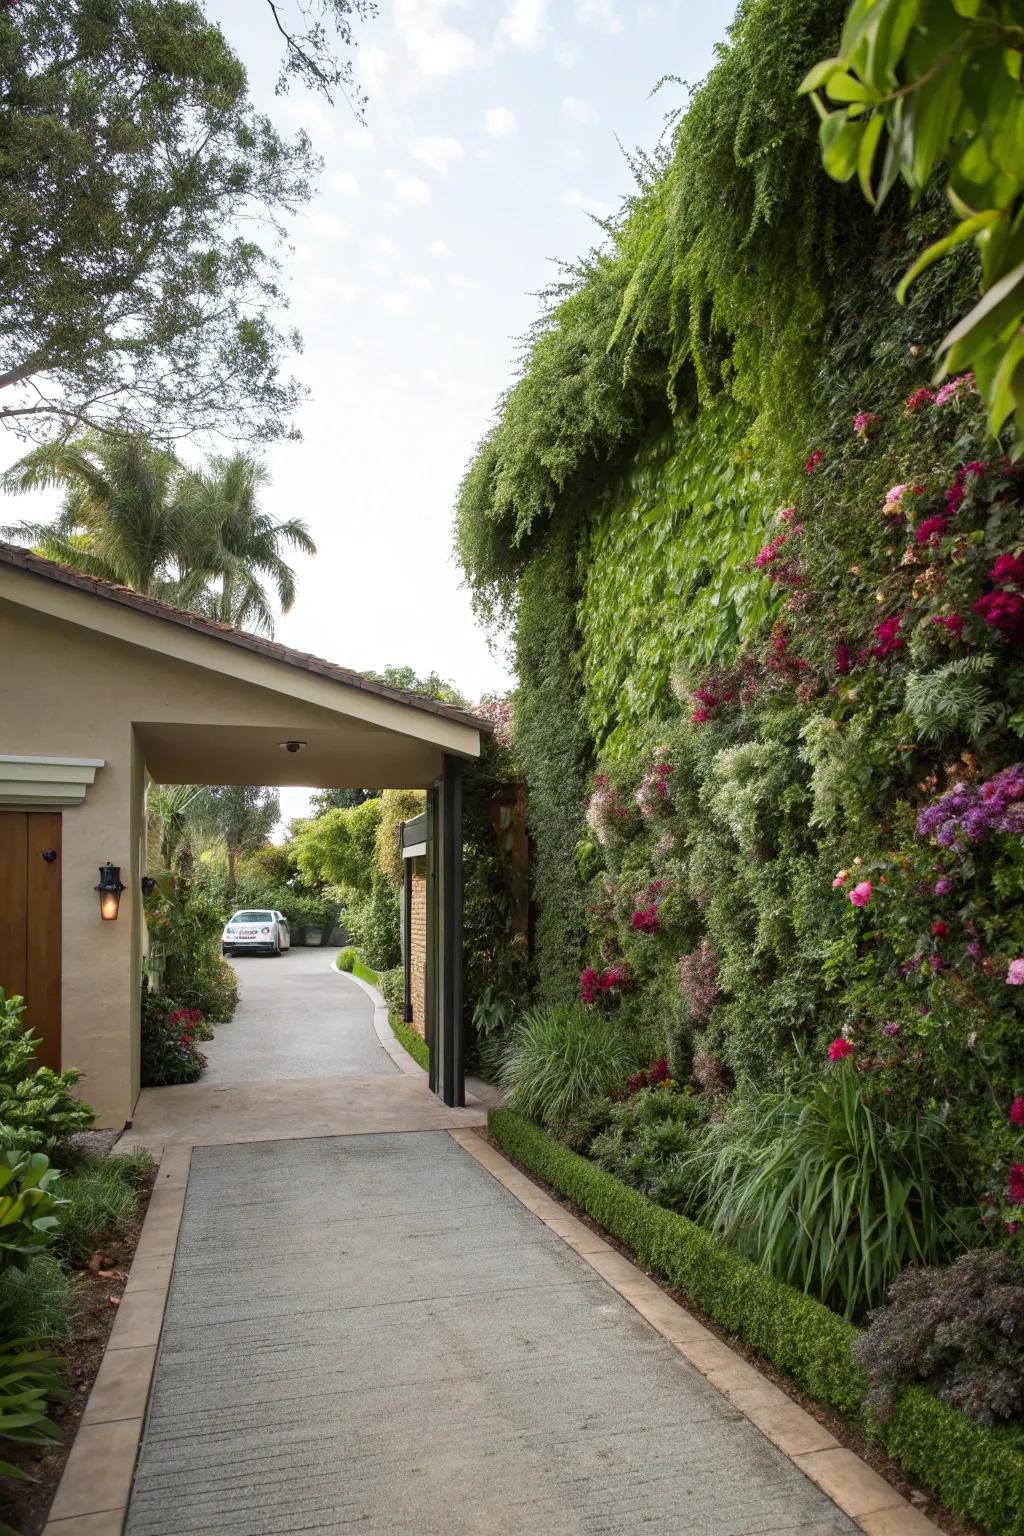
492	129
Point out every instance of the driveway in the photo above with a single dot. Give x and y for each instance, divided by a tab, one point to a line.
370	1334
296	1017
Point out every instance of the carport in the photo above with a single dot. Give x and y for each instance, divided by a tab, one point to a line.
104	688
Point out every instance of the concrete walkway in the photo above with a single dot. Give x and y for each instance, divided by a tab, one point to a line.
296	1017
370	1334
303	1056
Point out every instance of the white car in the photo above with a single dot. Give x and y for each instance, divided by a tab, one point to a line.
256	930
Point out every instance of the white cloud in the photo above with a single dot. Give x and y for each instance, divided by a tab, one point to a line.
436	151
500	122
574	198
434	48
345	183
328	226
575	110
358	138
439	250
412	191
599	13
305	112
395	303
384	245
420	283
523	24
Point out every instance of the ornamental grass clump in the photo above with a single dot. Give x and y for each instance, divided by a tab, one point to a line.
959	1331
822	1190
560	1058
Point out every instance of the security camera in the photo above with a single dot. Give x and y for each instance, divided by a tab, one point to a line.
292	746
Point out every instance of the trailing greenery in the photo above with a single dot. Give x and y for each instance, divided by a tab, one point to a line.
976	1472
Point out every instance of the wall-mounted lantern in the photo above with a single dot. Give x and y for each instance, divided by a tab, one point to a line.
110	888
148	886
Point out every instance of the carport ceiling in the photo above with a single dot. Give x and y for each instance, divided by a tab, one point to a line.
348	755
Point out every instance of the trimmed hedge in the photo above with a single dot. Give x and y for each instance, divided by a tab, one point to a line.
414	1043
975	1472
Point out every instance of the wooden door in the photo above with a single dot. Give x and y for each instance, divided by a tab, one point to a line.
30	932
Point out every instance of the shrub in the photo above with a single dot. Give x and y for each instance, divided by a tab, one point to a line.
29	1378
186	932
824	1191
975	1472
169	1051
391	985
101	1202
28	1206
649	1140
374	921
958	1330
38	1109
346	958
561	1057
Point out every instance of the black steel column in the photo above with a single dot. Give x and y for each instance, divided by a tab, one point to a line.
452	1081
431	987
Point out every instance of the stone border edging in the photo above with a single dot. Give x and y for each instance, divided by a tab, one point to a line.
92	1495
385	1034
858	1490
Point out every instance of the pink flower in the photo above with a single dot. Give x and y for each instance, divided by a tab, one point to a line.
1008	568
815	459
839	1049
891	1028
645	920
943	885
863	422
699	716
844	661
840	879
918	400
948	391
1003	610
589	983
766	555
887	635
1016	1111
952	623
894	500
1015	974
1015	1183
931	530
861	894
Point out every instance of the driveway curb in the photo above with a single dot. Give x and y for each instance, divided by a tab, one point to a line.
93	1493
385	1034
849	1482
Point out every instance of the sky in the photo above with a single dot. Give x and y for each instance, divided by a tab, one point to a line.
493	131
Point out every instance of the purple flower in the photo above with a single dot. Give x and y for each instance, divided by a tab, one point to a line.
891	1028
943	885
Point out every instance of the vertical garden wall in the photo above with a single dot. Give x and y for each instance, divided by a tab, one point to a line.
765	582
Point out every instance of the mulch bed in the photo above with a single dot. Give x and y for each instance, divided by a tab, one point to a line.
26	1505
832	1421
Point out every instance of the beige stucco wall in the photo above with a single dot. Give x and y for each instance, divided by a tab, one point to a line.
68	691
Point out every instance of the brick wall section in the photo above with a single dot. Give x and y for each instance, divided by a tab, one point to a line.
418	943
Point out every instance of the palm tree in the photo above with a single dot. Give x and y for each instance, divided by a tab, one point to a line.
133	514
245	544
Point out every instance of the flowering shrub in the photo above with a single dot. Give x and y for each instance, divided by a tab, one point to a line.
169	1050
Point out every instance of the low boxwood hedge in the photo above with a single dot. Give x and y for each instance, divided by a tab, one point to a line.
975	1472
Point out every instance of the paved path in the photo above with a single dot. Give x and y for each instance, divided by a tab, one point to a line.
301	1057
296	1017
368	1334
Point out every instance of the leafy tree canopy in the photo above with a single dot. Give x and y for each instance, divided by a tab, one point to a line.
141	200
432	686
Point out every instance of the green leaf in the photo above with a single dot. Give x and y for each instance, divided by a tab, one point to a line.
963	231
819	75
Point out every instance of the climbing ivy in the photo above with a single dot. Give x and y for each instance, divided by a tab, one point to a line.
668	577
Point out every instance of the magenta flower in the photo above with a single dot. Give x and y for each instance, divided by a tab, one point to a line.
931	530
645	920
948	391
863	422
1015	974
1008	568
1015	1183
943	886
699	716
839	1049
918	400
813	462
861	894
891	1028
1016	1111
888	638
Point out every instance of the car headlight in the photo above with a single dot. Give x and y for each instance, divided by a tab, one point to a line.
264	930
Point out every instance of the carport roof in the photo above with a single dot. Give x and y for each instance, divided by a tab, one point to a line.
18	558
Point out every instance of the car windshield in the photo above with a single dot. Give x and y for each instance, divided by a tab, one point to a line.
252	917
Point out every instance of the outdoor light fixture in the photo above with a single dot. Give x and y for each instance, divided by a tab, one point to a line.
110	888
292	746
148	886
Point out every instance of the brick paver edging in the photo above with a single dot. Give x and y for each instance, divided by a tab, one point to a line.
92	1496
848	1481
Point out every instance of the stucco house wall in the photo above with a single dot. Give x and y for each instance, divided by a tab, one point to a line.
191	703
